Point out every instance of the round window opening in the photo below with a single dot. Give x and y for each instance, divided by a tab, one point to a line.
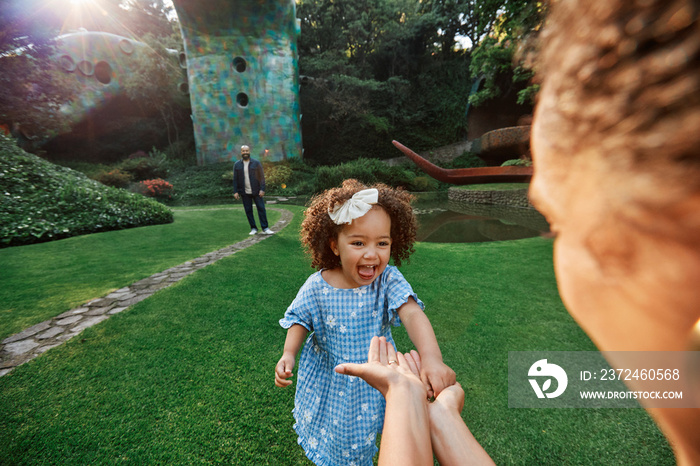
239	64
242	99
67	63
85	67
103	72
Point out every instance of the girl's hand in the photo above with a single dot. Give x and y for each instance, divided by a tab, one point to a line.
283	370
437	375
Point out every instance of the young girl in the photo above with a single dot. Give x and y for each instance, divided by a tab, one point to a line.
351	232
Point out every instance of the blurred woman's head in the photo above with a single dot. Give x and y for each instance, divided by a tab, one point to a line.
616	151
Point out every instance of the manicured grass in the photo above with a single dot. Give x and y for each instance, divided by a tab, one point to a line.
186	376
40	281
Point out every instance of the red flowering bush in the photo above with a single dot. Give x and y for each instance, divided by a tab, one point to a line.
156	188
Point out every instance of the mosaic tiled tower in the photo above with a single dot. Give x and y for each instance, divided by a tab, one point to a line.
241	60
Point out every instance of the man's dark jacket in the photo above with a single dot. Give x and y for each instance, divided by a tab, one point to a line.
255	172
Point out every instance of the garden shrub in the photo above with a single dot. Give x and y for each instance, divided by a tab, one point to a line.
158	188
115	178
204	184
424	183
517	163
181	154
44	202
153	165
466	160
139	154
368	171
277	175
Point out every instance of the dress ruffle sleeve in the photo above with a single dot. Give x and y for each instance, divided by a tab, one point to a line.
398	292
301	310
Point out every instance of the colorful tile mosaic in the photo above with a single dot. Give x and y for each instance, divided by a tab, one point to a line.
242	68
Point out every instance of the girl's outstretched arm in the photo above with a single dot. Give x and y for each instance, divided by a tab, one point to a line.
434	372
295	338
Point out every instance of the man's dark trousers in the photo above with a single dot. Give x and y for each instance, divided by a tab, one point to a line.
248	206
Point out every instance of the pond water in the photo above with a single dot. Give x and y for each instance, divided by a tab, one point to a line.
443	221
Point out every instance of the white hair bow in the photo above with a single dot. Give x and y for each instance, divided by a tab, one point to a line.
355	207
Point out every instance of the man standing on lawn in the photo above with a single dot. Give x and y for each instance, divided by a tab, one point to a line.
249	184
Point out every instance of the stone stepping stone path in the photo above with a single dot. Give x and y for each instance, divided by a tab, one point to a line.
37	339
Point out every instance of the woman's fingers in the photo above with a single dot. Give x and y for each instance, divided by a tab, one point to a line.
410	363
391	354
374	351
382	351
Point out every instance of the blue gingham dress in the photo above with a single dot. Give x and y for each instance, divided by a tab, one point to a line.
338	416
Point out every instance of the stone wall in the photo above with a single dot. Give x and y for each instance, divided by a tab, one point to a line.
512	197
510	207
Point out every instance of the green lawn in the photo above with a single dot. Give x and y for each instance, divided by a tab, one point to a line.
186	376
40	281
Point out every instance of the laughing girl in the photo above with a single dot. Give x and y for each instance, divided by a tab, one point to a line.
351	232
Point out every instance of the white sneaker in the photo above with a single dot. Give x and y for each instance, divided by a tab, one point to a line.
253	231
267	231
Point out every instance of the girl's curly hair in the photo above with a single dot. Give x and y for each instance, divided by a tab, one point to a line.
317	228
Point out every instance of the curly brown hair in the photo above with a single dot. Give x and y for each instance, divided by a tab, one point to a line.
624	77
317	228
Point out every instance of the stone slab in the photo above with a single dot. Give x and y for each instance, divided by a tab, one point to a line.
98	311
33	330
20	347
73	312
100	302
88	323
69	320
50	333
134	300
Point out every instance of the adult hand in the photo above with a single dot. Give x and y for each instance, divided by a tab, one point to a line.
384	368
450	399
236	196
283	370
406	433
262	193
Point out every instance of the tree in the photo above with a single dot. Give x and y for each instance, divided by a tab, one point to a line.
32	88
497	56
129	18
374	67
154	82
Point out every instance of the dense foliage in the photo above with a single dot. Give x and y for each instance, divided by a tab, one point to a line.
400	69
43	202
32	88
505	59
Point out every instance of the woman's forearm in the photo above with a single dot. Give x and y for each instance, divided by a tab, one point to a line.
404	439
452	441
